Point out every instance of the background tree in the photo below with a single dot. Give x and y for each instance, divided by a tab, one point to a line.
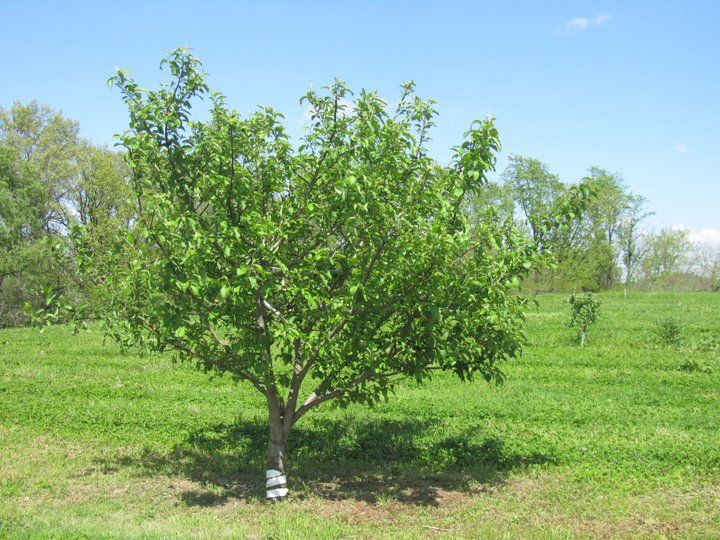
533	188
48	142
598	245
318	271
529	192
607	242
602	224
21	229
630	236
42	144
50	179
709	263
491	200
604	216
588	265
98	195
667	254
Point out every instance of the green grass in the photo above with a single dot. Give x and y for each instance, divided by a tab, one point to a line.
611	440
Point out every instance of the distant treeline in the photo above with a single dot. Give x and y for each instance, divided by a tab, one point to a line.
52	180
609	245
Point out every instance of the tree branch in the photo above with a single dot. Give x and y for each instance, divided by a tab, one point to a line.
316	399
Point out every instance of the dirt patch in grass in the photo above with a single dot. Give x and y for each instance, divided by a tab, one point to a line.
387	508
360	512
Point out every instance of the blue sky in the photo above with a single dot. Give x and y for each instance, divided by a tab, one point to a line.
633	87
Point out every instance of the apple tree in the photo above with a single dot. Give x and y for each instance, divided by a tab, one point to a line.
324	267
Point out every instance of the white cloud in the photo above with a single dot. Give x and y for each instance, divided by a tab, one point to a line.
580	24
707	236
680	148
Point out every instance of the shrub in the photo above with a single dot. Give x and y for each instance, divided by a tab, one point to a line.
583	313
668	331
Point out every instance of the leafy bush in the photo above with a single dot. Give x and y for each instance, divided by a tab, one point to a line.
583	313
668	331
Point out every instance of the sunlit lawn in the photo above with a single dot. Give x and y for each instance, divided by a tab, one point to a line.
610	440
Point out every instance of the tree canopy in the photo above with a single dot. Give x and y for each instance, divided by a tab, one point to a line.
316	269
50	179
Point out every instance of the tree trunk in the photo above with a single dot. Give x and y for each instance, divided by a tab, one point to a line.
276	481
582	338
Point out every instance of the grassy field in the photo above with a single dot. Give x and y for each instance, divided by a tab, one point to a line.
614	440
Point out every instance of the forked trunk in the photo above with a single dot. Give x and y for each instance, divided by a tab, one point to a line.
275	479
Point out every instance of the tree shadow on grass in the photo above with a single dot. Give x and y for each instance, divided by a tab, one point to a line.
411	461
